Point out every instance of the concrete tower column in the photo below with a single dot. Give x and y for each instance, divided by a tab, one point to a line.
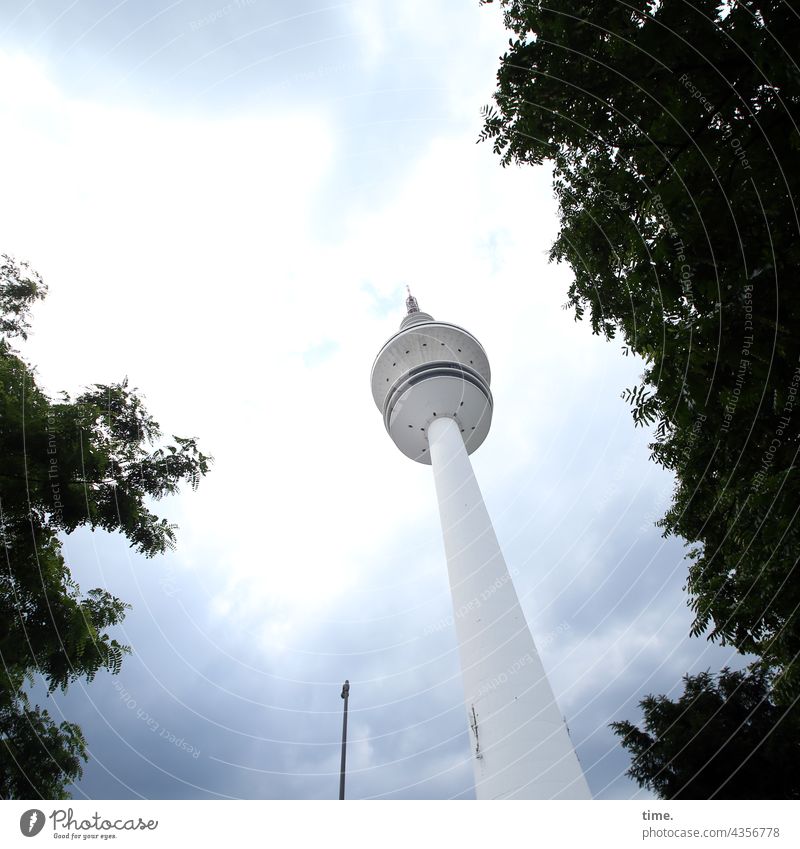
521	748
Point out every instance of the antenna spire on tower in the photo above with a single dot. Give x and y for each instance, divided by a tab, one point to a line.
411	302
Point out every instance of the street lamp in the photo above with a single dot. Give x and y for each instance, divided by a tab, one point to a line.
345	696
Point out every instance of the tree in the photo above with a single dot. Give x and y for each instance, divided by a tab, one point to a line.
69	462
672	131
714	739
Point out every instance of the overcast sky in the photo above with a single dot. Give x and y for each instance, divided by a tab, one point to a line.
226	201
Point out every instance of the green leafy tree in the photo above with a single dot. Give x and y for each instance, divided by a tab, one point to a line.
712	741
672	131
88	461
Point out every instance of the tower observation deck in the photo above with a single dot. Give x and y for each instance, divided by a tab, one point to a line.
430	382
427	370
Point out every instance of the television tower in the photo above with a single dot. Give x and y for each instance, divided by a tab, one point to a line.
431	383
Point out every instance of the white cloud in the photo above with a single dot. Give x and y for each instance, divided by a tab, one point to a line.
369	21
188	253
181	252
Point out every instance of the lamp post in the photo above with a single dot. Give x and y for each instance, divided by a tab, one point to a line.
345	696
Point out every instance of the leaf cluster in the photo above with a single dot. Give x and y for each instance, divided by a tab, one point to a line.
672	131
710	741
95	460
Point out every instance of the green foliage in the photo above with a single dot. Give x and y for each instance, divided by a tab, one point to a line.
712	740
20	286
87	461
38	759
46	626
672	130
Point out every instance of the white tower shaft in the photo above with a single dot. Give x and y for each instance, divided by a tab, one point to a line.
520	745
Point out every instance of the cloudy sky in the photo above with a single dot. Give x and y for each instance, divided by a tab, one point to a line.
227	201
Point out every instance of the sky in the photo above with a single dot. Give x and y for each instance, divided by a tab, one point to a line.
227	201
